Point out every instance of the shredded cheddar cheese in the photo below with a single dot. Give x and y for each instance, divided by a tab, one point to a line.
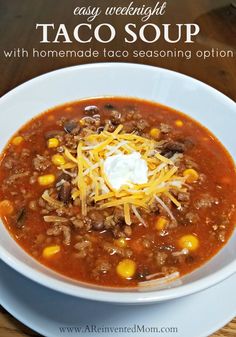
91	183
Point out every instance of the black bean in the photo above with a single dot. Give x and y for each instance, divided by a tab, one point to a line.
20	218
173	146
100	129
91	110
97	225
109	106
63	176
97	116
70	125
168	154
65	192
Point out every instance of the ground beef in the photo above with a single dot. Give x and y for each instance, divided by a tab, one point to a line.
58	229
206	201
86	132
192	217
172	224
189	163
41	163
116	220
109	126
83	246
146	243
101	267
160	258
82	223
91	122
129	127
221	236
25	153
14	178
128	231
67	234
71	141
183	196
40	238
202	178
33	205
112	249
115	117
78	223
142	124
9	163
116	224
154	207
97	218
33	178
130	112
165	128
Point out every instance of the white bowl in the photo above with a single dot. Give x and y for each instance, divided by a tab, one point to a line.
205	104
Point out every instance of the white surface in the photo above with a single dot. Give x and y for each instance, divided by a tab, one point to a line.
196	99
123	169
45	310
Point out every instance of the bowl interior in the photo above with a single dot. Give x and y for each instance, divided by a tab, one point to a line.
209	107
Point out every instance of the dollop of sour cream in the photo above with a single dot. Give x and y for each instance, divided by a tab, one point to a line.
126	169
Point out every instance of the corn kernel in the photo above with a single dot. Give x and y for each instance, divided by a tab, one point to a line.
17	140
53	142
190	242
126	268
121	242
47	179
191	175
82	122
161	223
179	123
58	160
51	250
6	208
155	133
